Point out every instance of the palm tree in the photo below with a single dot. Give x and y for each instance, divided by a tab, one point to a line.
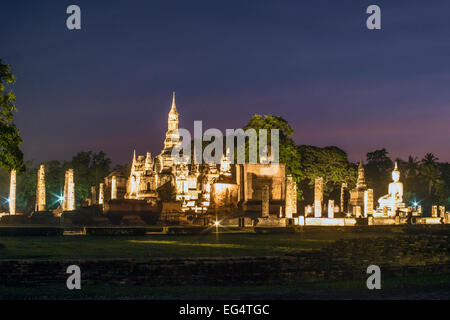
430	174
412	166
429	158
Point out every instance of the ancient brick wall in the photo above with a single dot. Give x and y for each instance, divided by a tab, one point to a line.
344	259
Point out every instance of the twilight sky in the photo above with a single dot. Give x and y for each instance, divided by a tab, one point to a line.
108	86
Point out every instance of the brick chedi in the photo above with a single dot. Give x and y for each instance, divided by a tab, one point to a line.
165	160
357	194
142	181
218	187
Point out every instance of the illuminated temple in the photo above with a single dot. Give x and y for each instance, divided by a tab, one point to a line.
207	187
161	190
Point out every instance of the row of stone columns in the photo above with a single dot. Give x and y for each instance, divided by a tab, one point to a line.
435	213
290	198
318	200
69	191
101	194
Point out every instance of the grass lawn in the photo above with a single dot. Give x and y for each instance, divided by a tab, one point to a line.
208	245
429	286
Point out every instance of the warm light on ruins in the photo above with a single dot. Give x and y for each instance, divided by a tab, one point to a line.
394	199
69	192
12	193
101	193
40	190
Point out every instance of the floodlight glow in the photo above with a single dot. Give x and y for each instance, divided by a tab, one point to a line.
415	203
216	223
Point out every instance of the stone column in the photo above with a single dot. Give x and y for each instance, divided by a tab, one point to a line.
93	195
368	202
331	209
265	201
40	190
442	211
69	192
318	197
291	197
419	210
357	211
101	193
434	211
343	189
113	188
12	193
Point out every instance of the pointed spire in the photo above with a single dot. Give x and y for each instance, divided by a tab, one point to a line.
360	164
134	160
173	109
396	167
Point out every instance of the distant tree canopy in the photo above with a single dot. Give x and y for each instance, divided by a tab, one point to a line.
11	157
305	163
288	150
89	170
331	164
378	169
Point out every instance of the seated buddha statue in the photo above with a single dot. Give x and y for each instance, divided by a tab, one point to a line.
394	199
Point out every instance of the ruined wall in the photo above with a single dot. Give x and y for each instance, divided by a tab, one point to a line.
224	195
344	259
255	176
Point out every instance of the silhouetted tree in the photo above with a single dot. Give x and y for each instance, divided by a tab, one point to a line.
11	157
288	151
378	170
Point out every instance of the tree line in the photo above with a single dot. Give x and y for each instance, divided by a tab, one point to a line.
426	181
